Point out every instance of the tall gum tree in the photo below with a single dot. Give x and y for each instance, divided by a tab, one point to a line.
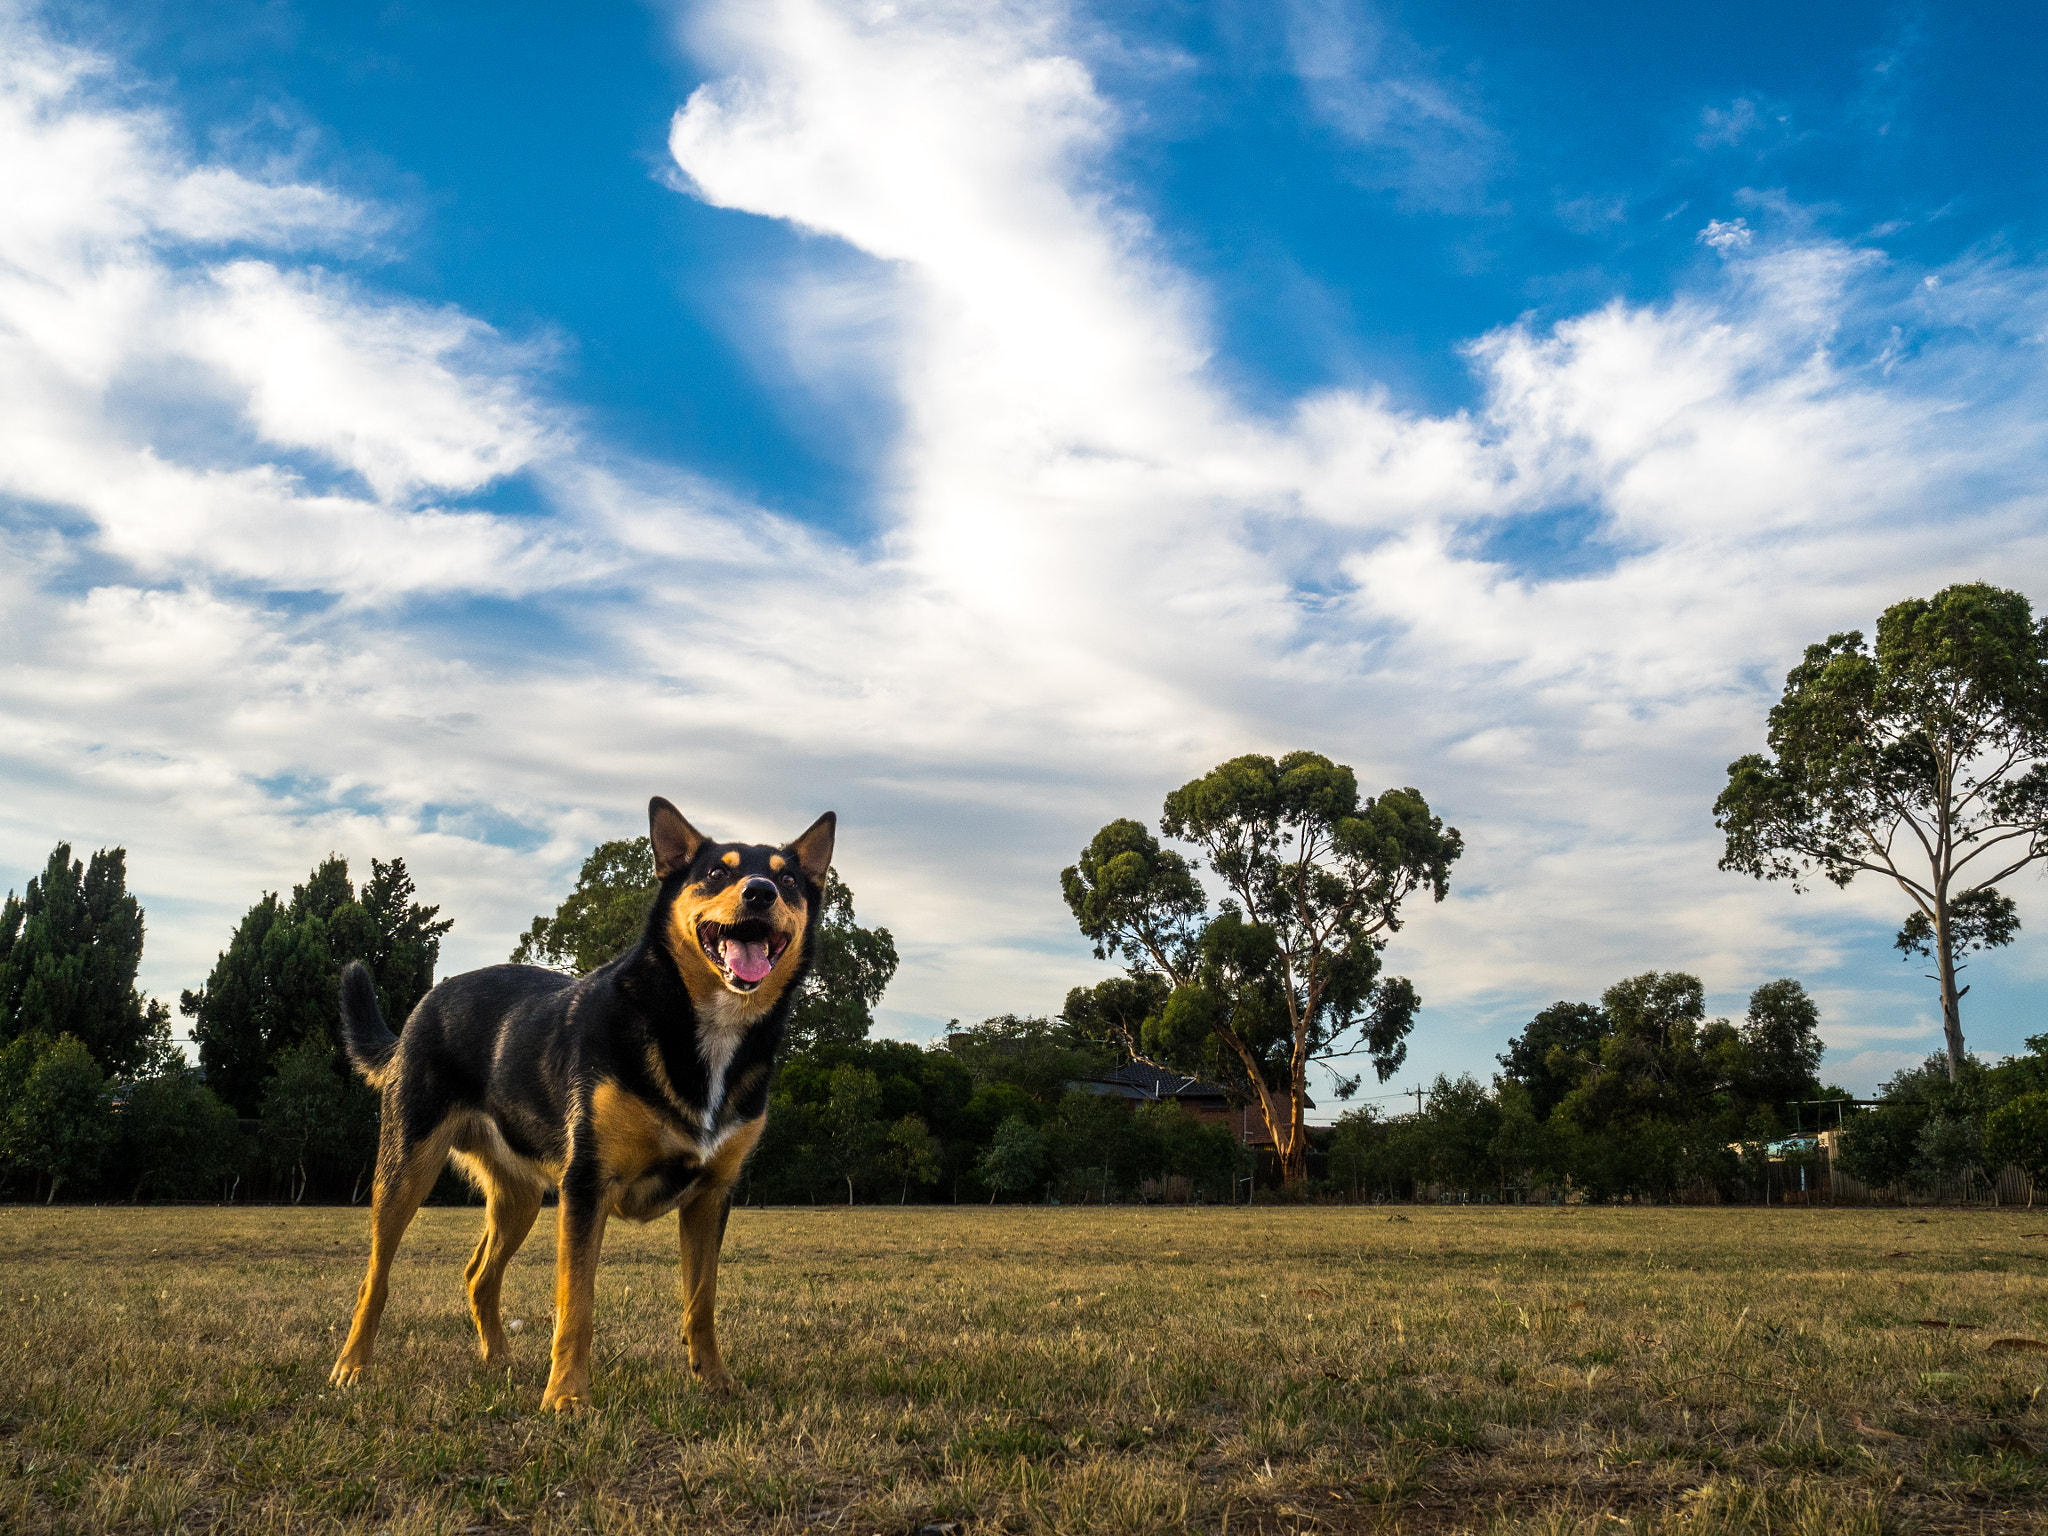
1921	760
1287	971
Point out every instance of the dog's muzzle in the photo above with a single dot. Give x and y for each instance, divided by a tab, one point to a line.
744	952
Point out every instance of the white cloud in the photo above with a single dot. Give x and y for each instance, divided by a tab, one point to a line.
1098	573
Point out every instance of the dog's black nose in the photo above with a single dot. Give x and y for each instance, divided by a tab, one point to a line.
758	893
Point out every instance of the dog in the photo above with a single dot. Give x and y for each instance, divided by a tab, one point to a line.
636	1090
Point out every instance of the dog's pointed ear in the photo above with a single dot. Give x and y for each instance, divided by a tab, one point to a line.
675	841
814	849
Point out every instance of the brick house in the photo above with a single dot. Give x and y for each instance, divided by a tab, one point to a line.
1207	1102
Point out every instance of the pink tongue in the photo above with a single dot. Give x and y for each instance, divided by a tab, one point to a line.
748	962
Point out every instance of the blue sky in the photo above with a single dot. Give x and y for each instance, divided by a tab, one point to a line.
445	426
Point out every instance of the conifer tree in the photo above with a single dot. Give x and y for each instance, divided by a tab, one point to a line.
70	946
276	984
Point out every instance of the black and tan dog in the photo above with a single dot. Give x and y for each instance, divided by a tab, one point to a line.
637	1090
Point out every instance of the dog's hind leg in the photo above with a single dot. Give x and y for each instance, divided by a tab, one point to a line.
404	1176
702	1222
510	1206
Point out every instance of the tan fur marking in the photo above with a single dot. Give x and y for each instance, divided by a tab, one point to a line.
731	861
394	1200
510	1206
777	862
630	1134
722	1168
575	1296
701	1224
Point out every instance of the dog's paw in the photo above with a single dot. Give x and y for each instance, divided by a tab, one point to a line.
718	1382
345	1375
565	1402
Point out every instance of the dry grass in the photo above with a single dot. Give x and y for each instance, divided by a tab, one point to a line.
1050	1371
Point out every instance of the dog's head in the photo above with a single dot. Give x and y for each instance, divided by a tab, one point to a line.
740	912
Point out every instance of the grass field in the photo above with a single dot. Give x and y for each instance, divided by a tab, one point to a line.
1029	1369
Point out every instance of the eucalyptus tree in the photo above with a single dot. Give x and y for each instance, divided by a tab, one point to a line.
1923	759
1287	971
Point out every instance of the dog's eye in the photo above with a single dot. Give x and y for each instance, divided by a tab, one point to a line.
714	875
789	882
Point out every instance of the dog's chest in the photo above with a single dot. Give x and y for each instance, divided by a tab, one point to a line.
723	1022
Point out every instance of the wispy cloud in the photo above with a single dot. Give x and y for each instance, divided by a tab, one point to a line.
257	613
1417	129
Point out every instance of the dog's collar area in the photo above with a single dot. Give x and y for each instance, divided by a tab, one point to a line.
743	953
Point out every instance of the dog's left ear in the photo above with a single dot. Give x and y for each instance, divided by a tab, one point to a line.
675	841
814	849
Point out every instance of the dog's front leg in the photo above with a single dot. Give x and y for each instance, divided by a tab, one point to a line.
579	1234
703	1233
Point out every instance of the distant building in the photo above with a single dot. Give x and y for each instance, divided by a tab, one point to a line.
1207	1102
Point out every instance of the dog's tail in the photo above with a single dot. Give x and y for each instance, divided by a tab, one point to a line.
363	1030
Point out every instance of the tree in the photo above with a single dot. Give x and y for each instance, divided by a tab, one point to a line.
174	1135
852	968
1781	1043
275	984
1951	1146
1553	1050
1649	1064
1014	1158
849	1129
1037	1056
1924	760
57	1122
304	1115
912	1154
70	946
1287	973
602	917
2017	1134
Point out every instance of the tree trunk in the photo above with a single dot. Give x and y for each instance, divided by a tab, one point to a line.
1294	1155
55	1180
1951	1000
849	1189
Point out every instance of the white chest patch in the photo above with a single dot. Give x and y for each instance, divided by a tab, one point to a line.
720	1027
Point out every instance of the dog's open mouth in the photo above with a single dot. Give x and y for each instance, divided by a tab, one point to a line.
746	952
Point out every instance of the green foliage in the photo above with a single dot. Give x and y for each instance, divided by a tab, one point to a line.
2017	1134
1113	1013
1923	759
912	1153
1038	1057
174	1137
1650	1065
1288	971
1553	1050
276	984
850	969
305	1118
57	1123
1781	1040
848	1131
1015	1158
602	917
69	949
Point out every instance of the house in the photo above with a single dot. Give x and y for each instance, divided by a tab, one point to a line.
1210	1103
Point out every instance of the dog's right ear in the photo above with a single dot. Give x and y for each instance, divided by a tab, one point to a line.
675	841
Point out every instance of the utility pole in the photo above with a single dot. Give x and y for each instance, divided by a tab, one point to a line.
1418	1092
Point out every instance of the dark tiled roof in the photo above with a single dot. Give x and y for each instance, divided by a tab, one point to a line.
1136	1080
